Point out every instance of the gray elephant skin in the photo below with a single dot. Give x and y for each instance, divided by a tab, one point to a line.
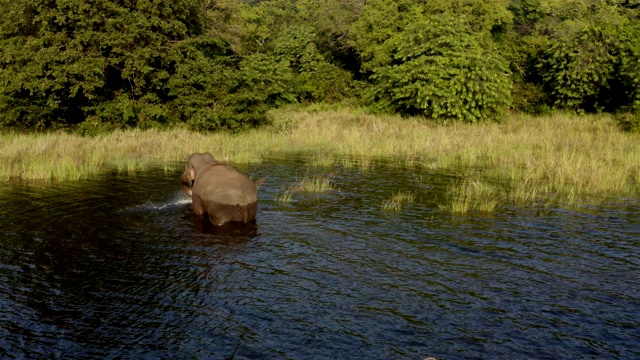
219	190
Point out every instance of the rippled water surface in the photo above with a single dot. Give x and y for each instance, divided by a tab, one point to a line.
119	267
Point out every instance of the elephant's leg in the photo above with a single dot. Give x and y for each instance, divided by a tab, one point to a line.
197	205
216	219
218	214
252	210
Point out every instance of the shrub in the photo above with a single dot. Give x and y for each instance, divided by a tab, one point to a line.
629	121
237	96
578	69
443	70
590	62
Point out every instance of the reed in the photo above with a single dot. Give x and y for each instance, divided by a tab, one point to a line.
287	195
473	196
397	201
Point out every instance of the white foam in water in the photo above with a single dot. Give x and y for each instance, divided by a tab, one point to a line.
179	200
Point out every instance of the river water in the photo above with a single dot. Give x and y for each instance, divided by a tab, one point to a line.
118	267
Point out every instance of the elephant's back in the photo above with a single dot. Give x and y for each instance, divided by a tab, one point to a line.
225	184
233	196
225	174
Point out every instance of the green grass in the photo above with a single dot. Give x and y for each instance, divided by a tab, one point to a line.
561	158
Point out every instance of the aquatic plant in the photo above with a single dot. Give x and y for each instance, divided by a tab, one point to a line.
316	183
308	184
361	163
398	200
322	161
472	196
287	195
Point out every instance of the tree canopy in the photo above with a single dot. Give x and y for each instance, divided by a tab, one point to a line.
94	65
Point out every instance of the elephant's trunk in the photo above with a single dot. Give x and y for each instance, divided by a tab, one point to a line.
187	183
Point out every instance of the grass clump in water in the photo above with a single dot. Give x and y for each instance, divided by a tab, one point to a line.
313	184
361	163
316	183
473	195
287	196
322	161
398	200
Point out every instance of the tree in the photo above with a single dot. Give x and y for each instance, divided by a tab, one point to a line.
434	59
103	64
580	53
308	35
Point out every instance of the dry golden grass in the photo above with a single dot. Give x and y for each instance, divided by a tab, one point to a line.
525	159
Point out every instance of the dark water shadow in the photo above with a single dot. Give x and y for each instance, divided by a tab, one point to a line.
234	232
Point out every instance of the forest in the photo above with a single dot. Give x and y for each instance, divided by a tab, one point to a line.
92	66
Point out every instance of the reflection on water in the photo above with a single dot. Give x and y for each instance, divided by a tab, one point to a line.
119	267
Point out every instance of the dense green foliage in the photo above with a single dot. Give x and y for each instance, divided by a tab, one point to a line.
103	64
442	63
580	54
94	65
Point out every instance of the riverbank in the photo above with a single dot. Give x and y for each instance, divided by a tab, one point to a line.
559	158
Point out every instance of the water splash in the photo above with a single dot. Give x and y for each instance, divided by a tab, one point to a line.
174	203
179	199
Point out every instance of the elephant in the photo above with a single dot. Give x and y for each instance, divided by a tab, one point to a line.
219	190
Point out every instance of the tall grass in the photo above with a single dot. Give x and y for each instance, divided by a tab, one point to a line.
565	157
472	196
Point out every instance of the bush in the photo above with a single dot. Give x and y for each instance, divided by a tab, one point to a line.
441	69
529	98
630	67
590	62
239	96
629	121
577	70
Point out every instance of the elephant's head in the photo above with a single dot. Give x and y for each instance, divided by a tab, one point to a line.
195	164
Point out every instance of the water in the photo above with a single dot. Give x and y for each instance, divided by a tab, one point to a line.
118	267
